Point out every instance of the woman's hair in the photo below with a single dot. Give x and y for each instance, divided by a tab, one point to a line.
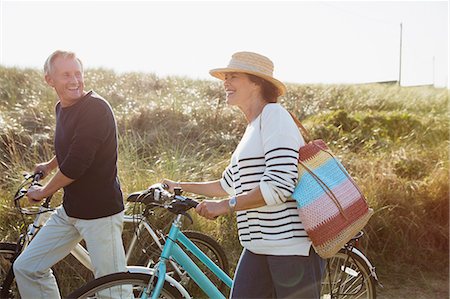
64	54
269	91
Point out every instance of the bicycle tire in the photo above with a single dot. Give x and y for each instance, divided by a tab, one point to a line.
70	274
7	253
352	281
206	243
138	280
215	252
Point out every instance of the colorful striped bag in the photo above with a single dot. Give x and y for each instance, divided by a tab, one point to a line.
330	204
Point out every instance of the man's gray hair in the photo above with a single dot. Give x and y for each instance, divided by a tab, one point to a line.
58	53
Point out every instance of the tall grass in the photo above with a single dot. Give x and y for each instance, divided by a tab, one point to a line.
394	140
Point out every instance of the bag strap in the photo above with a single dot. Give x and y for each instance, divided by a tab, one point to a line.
342	169
325	188
303	130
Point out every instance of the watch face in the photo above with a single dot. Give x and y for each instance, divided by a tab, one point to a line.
232	202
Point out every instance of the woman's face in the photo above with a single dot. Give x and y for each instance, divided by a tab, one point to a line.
238	88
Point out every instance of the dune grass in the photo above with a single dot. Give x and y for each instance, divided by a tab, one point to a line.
394	140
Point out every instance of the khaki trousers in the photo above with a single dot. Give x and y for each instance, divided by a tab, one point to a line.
56	239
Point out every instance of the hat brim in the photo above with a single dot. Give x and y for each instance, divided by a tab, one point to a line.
220	74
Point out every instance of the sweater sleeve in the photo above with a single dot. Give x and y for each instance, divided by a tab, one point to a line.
281	141
227	180
93	127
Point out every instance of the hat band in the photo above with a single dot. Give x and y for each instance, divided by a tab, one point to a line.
252	68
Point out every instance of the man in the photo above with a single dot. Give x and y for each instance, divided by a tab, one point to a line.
86	164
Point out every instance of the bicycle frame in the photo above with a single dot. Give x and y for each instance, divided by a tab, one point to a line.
373	274
79	252
350	251
39	220
173	250
144	225
82	255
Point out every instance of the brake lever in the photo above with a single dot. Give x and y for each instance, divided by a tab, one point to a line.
38	176
27	176
19	194
188	217
148	198
177	208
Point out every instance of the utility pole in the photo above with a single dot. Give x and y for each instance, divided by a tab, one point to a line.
400	60
434	70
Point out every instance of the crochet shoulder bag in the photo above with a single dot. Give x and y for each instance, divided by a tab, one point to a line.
330	204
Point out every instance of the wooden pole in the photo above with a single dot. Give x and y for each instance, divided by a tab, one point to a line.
400	59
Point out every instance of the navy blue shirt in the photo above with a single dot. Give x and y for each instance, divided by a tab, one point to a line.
86	150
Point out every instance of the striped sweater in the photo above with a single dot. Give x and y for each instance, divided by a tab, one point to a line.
267	157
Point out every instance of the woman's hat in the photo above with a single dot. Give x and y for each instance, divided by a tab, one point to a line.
250	63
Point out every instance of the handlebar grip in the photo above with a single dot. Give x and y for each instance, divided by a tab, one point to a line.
191	202
38	176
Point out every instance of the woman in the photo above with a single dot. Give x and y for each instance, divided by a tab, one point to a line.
278	260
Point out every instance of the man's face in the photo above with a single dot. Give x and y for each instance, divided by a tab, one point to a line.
66	77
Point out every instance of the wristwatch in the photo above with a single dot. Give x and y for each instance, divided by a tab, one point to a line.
232	203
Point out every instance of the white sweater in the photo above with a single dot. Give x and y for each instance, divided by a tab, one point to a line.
267	157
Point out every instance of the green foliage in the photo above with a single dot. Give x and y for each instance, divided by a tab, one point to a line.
394	140
375	130
410	168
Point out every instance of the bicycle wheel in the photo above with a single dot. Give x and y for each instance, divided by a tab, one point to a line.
214	251
147	254
7	252
118	284
347	276
70	274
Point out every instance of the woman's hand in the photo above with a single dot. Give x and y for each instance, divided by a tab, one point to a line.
211	209
170	184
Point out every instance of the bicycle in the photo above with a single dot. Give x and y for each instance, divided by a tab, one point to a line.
143	228
151	284
349	274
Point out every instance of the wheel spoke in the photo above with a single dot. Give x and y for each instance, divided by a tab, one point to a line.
350	278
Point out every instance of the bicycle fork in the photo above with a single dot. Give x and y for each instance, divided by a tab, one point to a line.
160	267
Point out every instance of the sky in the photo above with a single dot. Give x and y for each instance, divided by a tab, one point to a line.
308	41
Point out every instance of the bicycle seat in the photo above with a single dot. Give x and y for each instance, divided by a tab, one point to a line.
134	196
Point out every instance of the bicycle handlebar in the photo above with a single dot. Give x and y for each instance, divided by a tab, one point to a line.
38	176
158	195
29	180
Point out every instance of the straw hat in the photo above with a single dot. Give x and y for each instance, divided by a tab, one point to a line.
250	63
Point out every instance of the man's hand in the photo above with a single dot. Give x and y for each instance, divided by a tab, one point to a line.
42	168
35	194
46	167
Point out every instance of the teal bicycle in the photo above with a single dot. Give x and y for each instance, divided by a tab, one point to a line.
349	274
156	282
